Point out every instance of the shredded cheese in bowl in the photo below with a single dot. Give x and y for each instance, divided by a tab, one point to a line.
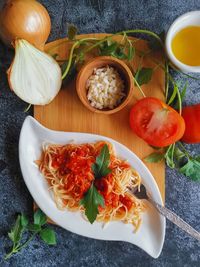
105	88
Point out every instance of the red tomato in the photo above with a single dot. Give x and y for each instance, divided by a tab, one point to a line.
156	122
191	115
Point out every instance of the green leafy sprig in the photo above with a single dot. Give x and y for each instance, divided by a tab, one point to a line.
93	199
177	157
23	225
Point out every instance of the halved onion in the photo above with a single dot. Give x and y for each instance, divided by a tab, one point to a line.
34	76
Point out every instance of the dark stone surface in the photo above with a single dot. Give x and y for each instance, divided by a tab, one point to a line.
182	195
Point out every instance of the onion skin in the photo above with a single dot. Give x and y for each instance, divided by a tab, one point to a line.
25	19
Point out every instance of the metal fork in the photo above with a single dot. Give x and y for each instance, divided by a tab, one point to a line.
170	215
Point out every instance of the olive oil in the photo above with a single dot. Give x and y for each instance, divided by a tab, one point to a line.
186	46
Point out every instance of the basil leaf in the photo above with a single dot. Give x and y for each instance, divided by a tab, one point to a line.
39	217
108	48
48	236
191	169
24	220
71	32
16	231
143	75
119	53
91	201
154	157
100	167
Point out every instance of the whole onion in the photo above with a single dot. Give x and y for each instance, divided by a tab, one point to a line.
24	19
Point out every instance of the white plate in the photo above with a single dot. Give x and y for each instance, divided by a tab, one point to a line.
151	234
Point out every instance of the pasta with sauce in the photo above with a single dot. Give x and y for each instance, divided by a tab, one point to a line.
67	168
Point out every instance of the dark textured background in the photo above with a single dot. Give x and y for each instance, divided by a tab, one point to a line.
182	195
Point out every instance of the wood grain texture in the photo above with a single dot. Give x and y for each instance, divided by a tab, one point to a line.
67	113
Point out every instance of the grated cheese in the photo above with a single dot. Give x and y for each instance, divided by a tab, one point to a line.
105	88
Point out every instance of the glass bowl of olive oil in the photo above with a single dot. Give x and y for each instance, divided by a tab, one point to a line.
183	42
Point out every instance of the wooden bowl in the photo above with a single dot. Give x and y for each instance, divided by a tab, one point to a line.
98	62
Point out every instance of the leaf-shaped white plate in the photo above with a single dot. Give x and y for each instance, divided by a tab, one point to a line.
149	237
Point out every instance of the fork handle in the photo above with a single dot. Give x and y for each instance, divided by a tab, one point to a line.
171	216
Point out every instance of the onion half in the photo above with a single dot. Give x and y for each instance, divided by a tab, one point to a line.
34	76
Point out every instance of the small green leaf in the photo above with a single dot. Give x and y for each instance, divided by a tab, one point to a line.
24	220
90	202
72	31
100	167
48	236
39	217
154	157
143	75
119	53
34	227
16	232
108	47
191	169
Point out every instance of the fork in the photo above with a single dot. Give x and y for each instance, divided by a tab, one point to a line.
170	215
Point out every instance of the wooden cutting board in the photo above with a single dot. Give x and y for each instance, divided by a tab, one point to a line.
67	113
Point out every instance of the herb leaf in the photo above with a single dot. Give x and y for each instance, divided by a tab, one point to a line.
15	233
24	220
191	169
71	32
48	236
91	201
100	167
154	157
39	218
108	48
143	75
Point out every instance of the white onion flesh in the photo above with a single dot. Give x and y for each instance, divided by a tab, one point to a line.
34	76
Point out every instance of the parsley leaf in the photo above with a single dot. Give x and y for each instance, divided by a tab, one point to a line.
39	218
91	201
100	167
143	75
191	169
22	224
154	157
48	236
16	231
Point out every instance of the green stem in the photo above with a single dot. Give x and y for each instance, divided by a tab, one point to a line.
139	87
178	94
16	249
166	80
125	32
71	54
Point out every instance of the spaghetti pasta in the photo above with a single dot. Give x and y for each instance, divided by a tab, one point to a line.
68	170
